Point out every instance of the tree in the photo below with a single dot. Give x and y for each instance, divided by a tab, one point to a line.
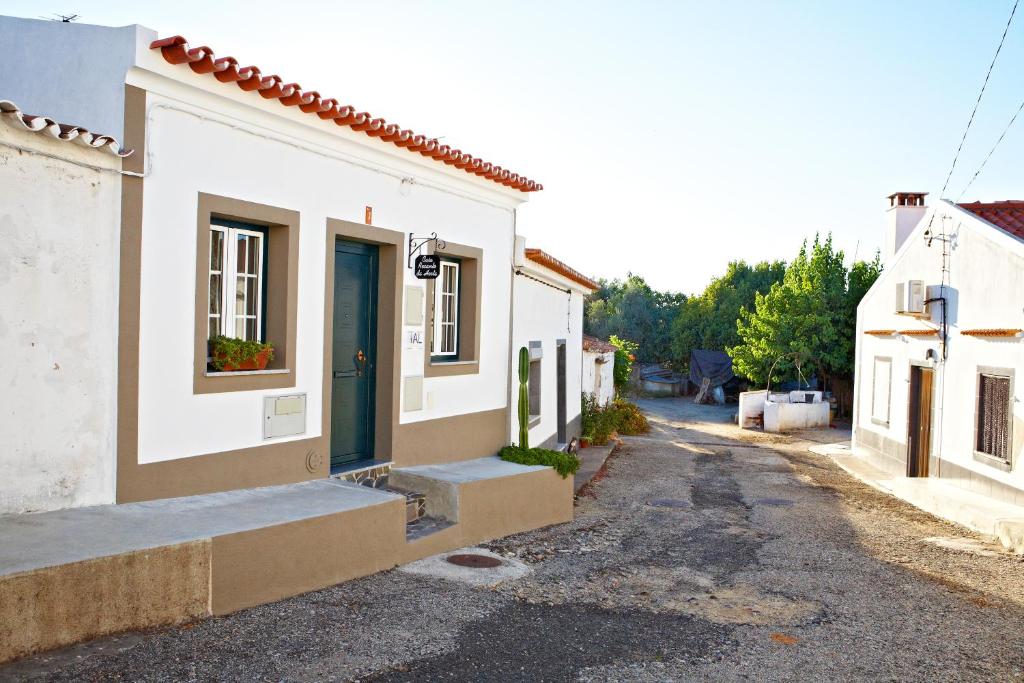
708	321
631	309
806	321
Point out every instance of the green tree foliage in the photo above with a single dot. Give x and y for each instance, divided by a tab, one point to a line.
708	321
631	309
625	354
807	320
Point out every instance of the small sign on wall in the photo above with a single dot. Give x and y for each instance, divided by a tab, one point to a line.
428	267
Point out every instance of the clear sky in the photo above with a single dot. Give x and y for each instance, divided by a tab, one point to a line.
671	137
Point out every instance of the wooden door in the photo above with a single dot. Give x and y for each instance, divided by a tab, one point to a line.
919	428
353	357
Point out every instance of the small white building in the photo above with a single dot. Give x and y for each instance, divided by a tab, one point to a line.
598	369
939	345
547	319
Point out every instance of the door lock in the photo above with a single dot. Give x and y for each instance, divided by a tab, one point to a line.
360	363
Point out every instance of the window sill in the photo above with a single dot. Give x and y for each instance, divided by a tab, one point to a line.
446	368
987	459
880	423
243	373
534	421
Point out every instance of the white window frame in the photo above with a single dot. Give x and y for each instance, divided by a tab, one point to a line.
229	277
439	310
880	413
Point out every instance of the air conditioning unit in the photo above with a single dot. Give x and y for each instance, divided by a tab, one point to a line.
910	297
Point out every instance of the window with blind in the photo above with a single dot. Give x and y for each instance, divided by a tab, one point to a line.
237	280
880	390
446	312
993	416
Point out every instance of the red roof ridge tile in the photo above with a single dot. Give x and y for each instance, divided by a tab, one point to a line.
202	60
12	114
563	269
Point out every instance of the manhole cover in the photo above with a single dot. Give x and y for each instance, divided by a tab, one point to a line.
668	503
777	502
475	561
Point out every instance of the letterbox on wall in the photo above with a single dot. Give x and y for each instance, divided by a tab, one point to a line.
284	415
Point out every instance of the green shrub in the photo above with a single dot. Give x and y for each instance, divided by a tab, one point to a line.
564	463
628	418
228	351
625	354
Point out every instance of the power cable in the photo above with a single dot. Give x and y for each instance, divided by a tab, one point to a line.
978	101
989	156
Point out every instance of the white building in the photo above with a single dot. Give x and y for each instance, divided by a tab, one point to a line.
256	210
939	346
598	369
548	320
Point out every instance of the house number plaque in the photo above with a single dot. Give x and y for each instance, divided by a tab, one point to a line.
428	267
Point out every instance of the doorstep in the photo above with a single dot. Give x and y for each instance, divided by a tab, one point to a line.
983	514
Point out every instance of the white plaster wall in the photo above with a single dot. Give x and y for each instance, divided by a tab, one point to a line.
784	417
751	404
202	142
593	371
541	313
60	224
986	281
71	72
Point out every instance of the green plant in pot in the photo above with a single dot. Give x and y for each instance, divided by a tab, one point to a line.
228	354
524	397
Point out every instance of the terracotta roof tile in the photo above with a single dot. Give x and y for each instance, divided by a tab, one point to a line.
551	263
596	345
13	116
1007	215
202	60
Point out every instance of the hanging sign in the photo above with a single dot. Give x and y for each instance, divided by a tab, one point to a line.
428	267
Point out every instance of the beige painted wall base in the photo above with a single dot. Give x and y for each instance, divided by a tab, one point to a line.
55	606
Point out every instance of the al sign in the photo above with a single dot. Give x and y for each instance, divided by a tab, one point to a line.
428	267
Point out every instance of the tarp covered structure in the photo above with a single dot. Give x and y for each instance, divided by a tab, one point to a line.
715	365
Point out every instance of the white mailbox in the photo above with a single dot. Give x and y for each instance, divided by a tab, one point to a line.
284	415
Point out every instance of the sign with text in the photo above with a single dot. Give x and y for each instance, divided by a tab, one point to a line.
428	267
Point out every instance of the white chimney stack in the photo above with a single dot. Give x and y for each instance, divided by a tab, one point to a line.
906	209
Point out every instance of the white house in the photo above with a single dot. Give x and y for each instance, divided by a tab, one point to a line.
598	369
939	345
258	210
548	320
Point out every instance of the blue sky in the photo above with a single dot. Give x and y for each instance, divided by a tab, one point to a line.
671	137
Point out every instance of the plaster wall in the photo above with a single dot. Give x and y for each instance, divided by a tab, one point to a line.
544	313
986	277
598	377
58	320
201	142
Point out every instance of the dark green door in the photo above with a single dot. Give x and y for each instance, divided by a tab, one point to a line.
354	352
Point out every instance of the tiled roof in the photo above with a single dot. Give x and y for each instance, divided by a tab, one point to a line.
596	345
551	263
13	116
1008	215
202	60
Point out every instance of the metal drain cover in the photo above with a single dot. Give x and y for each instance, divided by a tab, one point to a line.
777	502
668	503
474	561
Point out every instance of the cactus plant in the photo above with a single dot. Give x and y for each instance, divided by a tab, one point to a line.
524	397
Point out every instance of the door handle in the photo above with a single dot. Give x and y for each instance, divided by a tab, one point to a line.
360	363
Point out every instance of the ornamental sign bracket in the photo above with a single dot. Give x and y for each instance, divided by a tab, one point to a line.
426	265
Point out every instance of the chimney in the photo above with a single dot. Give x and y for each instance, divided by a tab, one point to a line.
906	209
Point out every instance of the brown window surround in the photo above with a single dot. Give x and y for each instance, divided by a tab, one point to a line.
282	292
470	289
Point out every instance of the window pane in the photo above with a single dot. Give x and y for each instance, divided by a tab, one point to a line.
215	294
250	328
240	246
240	328
240	295
214	327
994	416
250	296
216	250
254	250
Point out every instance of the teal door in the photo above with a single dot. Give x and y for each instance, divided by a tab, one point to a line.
354	352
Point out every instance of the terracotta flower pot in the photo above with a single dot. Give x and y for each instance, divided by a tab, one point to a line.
584	442
257	362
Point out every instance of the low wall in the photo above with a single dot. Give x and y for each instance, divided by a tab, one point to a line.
751	406
782	417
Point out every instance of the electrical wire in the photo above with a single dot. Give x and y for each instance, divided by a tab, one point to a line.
989	156
978	101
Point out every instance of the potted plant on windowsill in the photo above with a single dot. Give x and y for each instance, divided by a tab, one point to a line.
231	355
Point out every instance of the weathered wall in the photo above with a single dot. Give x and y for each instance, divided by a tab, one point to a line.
598	378
986	275
58	321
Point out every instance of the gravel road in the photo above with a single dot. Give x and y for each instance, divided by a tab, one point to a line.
702	553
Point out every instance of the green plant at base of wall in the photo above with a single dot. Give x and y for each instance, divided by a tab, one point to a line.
231	352
524	398
564	463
